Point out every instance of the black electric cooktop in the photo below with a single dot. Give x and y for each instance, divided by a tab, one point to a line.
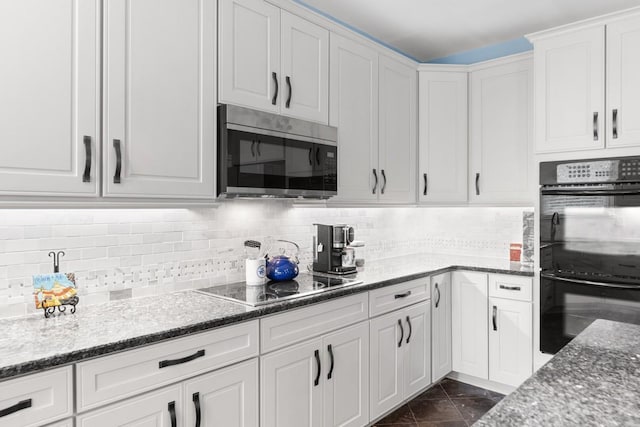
271	292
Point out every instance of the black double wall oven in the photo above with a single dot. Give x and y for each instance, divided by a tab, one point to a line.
589	246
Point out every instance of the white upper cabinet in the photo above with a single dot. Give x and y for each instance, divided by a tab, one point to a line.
397	131
49	81
501	133
272	60
569	74
354	111
623	83
305	69
249	59
160	100
442	171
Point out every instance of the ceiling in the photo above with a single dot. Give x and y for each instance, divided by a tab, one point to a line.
430	29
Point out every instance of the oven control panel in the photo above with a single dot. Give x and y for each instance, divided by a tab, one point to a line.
597	171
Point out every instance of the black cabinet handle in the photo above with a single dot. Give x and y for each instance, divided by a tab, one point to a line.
478	184
274	76
258	148
410	329
318	156
86	176
424	192
437	299
330	350
401	333
288	103
384	184
116	146
494	318
375	186
165	363
172	413
196	403
253	150
595	126
310	156
615	123
316	354
510	288
23	404
404	295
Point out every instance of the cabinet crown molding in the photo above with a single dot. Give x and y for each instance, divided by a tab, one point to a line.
583	24
454	68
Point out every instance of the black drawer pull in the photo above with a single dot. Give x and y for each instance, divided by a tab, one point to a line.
23	404
86	176
406	294
401	333
165	363
172	413
510	288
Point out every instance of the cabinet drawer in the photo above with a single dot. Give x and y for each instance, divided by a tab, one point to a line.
37	399
510	287
151	409
115	377
288	328
64	423
393	297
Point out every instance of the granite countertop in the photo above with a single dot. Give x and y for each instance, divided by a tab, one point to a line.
593	381
33	343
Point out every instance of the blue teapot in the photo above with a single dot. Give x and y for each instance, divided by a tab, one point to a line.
284	266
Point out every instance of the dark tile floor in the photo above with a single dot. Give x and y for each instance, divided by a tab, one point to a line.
447	404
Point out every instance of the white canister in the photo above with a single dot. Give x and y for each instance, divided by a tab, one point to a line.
256	270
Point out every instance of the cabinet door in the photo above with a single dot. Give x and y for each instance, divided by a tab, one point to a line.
49	81
469	324
386	358
417	348
160	98
623	85
442	174
346	376
289	394
501	134
305	69
354	111
249	59
510	341
227	397
154	409
440	326
569	73
397	137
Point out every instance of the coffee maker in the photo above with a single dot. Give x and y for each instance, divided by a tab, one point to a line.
330	252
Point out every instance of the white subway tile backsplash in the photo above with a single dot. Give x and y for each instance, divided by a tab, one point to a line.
146	252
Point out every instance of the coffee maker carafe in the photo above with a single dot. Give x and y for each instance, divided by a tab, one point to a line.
330	249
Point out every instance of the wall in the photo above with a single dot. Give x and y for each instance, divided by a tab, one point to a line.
122	253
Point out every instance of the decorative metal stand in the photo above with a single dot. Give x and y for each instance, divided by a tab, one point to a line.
49	307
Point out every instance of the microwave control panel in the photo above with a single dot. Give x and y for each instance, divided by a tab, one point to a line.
596	171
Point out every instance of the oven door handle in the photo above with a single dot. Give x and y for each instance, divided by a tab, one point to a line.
589	282
591	192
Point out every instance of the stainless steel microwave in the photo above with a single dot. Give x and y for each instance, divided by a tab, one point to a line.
267	155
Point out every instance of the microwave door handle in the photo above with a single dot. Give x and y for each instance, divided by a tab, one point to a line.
588	282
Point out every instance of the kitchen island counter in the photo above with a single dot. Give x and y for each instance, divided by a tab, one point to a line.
32	343
593	381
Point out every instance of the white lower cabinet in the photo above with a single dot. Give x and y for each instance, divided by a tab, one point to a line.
469	325
321	381
510	341
228	397
400	356
440	326
161	408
